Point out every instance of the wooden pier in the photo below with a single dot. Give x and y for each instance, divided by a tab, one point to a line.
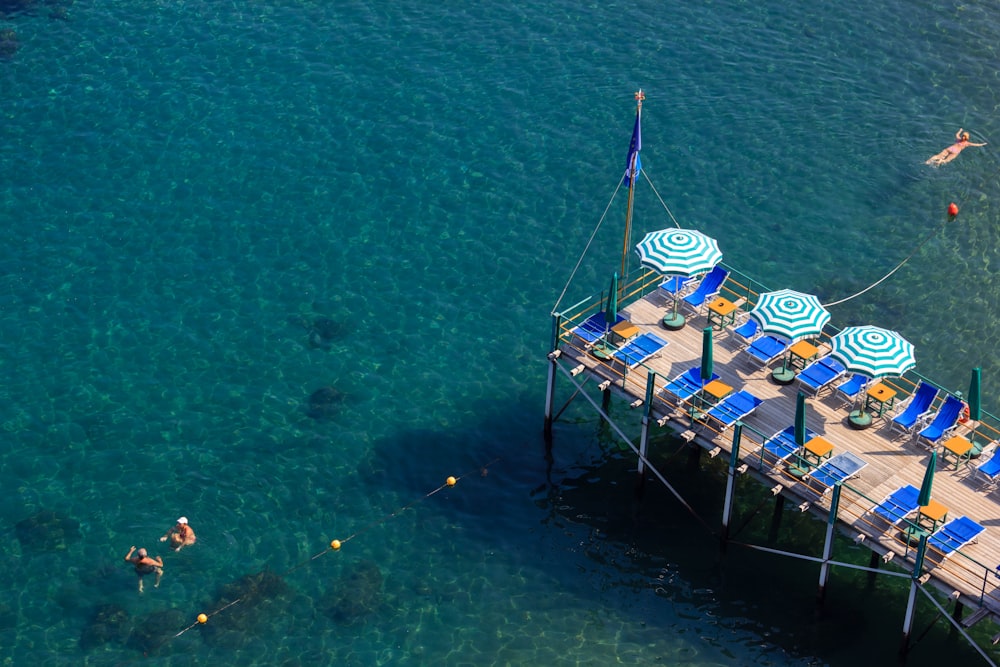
967	577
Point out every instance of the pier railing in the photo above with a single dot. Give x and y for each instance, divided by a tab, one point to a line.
744	291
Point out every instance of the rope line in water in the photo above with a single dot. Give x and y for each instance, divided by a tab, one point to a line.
335	545
897	268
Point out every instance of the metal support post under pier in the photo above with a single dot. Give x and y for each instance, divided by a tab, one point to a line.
640	482
779	508
918	566
873	565
550	385
550	390
727	509
831	523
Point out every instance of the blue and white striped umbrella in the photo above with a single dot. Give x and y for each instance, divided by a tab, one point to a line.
790	314
873	351
684	252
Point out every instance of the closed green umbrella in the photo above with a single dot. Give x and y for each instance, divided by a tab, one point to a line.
707	361
611	310
800	419
975	400
925	487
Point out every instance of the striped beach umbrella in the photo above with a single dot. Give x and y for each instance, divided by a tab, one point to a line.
873	351
684	252
790	314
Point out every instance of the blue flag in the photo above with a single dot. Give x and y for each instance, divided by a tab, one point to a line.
633	153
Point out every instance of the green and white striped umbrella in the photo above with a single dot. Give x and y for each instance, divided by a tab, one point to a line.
790	314
684	252
873	351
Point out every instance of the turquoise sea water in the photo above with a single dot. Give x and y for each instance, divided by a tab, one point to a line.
189	186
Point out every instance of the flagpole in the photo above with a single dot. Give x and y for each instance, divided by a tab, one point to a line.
633	160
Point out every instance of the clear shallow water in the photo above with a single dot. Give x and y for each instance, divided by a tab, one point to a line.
186	186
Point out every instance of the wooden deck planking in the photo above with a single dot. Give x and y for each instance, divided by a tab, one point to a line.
892	461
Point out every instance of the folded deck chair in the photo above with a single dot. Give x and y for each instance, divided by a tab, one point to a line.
594	327
674	286
944	422
746	332
781	446
898	505
687	384
988	472
820	374
765	349
918	408
836	470
639	349
733	408
707	288
850	388
954	535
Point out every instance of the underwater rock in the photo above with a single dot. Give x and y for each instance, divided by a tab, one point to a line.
153	633
108	623
47	530
356	594
9	43
323	403
246	605
323	332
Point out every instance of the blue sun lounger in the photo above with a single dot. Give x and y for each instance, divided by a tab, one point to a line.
765	349
746	332
898	505
707	288
639	349
675	285
851	387
836	470
733	408
944	422
594	327
954	535
918	408
687	384
988	472
781	446
820	374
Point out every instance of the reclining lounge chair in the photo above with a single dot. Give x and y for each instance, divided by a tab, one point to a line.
639	349
898	505
917	408
943	424
820	374
952	536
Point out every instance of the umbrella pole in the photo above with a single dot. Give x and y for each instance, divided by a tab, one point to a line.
783	375
674	321
859	419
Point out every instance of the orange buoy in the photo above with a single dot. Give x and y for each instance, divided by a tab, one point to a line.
202	618
451	481
335	545
953	209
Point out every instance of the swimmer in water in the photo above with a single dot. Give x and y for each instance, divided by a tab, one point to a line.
950	153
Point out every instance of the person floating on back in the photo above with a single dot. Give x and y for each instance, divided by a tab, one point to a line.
180	536
145	565
950	153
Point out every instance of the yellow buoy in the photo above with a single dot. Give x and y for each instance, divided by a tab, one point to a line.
335	545
202	618
451	481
